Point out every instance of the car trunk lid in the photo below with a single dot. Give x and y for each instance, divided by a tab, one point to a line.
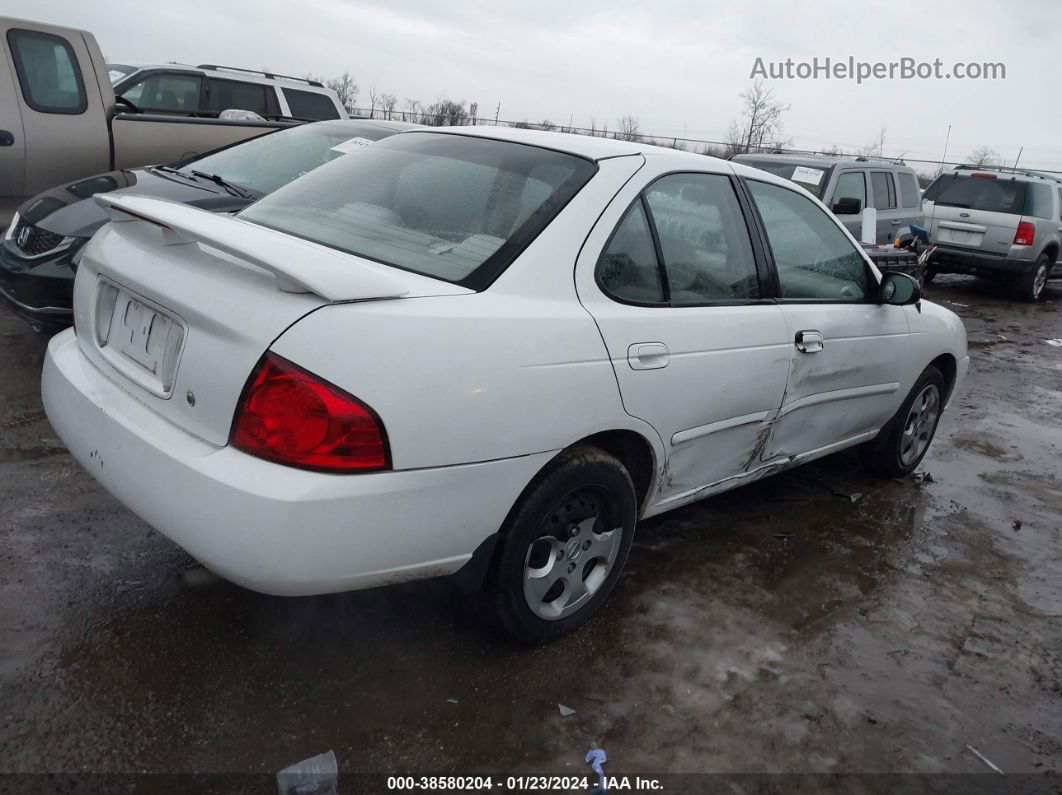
177	305
976	212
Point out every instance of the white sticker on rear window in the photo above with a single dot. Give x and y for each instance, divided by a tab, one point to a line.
809	176
351	145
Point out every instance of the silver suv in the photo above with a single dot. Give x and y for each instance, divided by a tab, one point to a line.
995	222
846	185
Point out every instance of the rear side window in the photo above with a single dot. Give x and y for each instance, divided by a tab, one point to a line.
48	72
1038	203
235	95
884	190
909	195
628	269
814	258
988	193
453	207
703	239
308	105
166	91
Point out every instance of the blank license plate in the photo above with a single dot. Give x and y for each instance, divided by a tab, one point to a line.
963	237
143	341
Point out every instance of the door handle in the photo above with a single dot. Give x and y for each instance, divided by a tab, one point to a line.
648	356
809	341
6	138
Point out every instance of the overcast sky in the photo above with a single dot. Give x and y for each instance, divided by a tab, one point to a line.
676	66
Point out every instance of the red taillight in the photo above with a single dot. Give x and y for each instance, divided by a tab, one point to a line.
981	175
1025	234
291	416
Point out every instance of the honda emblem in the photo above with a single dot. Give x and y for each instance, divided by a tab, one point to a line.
23	236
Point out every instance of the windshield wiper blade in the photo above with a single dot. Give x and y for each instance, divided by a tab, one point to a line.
232	188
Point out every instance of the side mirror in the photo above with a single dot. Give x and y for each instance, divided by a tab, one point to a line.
849	205
898	289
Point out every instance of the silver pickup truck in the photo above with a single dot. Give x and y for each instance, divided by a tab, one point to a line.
59	119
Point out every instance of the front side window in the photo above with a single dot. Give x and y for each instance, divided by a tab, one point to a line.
48	72
628	269
453	207
909	194
234	95
703	239
884	191
814	258
851	185
309	105
166	91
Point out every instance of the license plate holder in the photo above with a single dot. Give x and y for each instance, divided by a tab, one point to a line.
140	338
962	237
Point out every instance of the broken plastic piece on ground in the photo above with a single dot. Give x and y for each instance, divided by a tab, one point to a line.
565	711
923	477
596	757
317	775
983	758
452	700
855	497
1056	343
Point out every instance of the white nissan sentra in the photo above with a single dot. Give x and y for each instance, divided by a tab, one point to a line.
486	350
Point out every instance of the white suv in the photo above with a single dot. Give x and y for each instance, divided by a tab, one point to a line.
209	89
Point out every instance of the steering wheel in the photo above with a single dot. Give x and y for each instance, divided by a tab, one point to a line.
129	103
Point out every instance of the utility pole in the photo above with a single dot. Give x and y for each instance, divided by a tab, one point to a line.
497	111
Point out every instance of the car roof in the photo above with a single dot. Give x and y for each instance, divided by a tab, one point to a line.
352	125
818	160
230	74
586	146
1004	173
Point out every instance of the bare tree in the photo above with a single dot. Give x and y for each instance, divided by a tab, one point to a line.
445	113
346	89
373	97
387	104
546	125
761	122
875	148
984	156
412	111
628	128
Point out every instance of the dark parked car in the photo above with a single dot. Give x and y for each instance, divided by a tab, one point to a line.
37	257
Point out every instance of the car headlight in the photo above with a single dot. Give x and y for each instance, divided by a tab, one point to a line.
11	228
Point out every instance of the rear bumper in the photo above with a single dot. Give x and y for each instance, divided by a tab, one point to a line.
949	259
267	527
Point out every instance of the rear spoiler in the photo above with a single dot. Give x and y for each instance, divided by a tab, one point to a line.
299	266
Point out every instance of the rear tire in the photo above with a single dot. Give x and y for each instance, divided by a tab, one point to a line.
903	443
562	547
1029	286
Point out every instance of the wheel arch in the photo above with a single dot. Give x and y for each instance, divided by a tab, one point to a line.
949	368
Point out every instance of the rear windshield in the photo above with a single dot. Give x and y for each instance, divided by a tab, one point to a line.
452	207
997	195
265	163
810	178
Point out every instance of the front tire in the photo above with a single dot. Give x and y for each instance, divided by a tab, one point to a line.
1030	286
903	443
562	547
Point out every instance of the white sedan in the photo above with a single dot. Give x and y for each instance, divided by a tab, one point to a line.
481	350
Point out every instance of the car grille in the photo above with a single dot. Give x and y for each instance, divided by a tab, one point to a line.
32	240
